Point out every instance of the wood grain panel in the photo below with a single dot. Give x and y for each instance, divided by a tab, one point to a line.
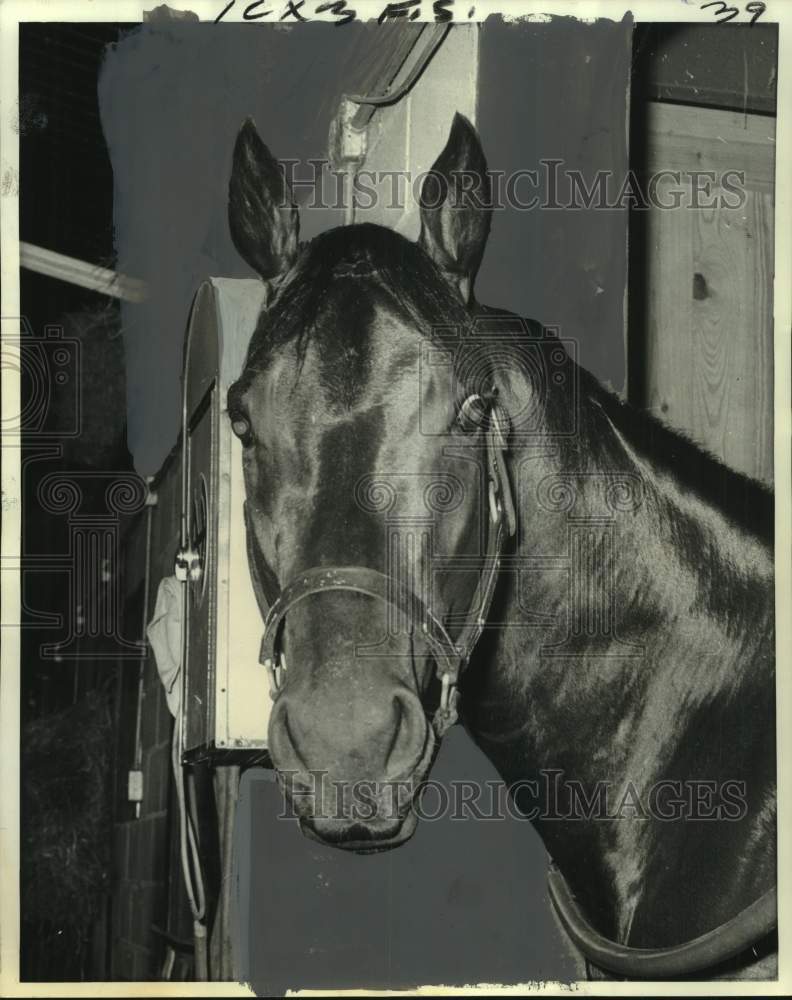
709	357
682	137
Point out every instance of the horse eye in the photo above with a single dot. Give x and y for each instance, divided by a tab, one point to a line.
241	428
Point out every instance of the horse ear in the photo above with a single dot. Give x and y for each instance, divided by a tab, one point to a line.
262	215
456	206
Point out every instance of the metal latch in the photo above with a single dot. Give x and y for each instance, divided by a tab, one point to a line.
347	144
187	565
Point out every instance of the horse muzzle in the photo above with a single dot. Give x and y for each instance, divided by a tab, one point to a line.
361	838
351	776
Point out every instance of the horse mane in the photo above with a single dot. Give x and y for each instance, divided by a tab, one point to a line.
746	502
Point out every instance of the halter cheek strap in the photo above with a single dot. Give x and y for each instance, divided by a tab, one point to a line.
451	656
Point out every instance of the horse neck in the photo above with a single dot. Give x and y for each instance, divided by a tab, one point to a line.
663	636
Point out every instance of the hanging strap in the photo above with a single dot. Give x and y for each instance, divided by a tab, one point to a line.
704	952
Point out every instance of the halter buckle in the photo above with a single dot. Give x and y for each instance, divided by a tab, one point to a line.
499	424
446	714
274	674
495	506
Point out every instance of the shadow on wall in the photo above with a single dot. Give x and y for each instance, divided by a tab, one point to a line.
559	92
172	99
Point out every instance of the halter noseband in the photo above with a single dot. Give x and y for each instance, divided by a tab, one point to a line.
451	657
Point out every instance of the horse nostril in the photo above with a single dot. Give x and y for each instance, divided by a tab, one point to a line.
282	745
409	741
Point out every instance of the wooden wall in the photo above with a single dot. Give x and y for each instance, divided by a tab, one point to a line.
701	274
709	334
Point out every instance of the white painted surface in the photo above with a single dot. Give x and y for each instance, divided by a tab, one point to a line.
241	690
409	135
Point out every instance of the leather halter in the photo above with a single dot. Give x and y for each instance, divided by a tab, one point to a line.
704	952
451	656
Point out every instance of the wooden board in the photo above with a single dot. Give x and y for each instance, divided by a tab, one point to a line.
726	65
709	329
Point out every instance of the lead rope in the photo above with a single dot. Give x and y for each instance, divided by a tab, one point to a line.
188	840
187	568
190	861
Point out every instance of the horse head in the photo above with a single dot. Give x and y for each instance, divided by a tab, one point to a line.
374	422
365	454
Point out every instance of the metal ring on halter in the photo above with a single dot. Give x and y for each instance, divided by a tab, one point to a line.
445	690
467	413
275	673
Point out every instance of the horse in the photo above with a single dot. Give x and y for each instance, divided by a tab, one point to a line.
446	514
